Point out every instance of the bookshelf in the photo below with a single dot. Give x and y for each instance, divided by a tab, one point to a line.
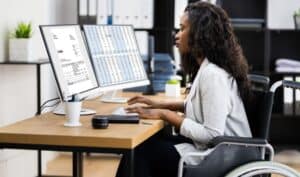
38	64
262	46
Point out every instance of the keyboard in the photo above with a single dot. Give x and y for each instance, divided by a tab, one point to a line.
121	111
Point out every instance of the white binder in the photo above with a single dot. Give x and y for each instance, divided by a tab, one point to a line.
83	7
92	7
179	8
297	103
146	14
102	11
142	39
288	96
138	13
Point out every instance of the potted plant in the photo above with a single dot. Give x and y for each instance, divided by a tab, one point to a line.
20	43
297	19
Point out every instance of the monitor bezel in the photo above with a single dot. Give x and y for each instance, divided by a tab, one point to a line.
80	95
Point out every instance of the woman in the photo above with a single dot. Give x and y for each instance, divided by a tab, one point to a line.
214	61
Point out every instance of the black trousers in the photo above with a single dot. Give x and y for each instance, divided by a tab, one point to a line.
156	157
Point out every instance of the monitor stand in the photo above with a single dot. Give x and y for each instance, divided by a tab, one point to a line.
110	97
60	110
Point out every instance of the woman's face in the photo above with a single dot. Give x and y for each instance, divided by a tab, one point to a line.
181	38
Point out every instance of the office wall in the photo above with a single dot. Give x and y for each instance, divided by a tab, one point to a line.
18	82
280	13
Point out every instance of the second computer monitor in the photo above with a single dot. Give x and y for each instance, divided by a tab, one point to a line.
115	56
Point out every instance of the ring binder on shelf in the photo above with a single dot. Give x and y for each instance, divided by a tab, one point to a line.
93	8
288	98
83	6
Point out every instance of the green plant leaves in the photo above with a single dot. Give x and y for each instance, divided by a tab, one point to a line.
297	12
173	81
23	30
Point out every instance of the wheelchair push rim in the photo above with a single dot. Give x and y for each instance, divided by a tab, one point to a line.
263	167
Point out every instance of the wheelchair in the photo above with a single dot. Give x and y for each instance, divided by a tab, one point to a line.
241	156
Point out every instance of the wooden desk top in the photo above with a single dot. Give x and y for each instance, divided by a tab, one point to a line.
48	129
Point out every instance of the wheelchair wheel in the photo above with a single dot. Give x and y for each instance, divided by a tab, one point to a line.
263	168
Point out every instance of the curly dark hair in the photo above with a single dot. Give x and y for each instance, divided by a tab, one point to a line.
211	35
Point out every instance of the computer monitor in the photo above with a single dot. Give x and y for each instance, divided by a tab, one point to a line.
70	62
116	58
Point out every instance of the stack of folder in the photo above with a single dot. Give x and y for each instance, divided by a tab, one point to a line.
285	65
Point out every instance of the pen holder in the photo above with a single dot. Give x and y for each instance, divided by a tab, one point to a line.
172	88
73	109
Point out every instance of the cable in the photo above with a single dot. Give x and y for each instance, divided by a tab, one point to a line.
46	102
49	106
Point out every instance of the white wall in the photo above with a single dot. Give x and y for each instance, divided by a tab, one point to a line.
280	13
18	82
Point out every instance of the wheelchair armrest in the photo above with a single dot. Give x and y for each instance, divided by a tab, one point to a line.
231	140
254	78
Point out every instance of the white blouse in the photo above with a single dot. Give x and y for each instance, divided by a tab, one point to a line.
212	108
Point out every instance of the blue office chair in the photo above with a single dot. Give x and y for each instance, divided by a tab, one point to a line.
240	156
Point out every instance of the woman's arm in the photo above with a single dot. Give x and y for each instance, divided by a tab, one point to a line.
174	106
170	116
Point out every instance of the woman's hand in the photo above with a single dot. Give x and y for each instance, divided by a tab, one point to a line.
144	100
146	113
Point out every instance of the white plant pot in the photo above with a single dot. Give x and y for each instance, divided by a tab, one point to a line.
172	90
20	49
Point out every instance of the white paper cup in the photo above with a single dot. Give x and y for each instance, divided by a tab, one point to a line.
73	114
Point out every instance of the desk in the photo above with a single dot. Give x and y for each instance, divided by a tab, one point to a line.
46	132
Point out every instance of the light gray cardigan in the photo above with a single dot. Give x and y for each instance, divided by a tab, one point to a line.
212	108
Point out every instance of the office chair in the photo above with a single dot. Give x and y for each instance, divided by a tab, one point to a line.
241	156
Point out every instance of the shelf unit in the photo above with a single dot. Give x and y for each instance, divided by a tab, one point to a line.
262	46
38	64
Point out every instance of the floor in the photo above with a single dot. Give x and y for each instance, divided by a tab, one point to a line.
290	157
107	164
95	165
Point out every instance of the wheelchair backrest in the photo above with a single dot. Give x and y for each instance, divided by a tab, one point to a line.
259	109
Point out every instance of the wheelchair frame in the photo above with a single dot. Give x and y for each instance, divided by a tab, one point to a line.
255	167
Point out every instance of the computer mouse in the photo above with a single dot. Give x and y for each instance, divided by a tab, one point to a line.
100	122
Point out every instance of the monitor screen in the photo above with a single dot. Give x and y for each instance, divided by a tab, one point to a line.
115	56
70	60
